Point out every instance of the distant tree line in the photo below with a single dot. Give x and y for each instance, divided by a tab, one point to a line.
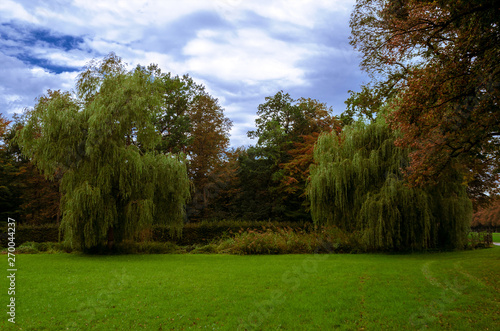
412	157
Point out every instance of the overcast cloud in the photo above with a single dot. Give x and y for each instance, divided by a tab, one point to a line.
242	51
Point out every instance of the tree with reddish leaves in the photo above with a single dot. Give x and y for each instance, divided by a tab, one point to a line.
224	191
9	190
40	196
295	172
206	151
488	218
437	62
25	193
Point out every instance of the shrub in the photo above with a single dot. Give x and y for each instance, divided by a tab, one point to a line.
479	240
271	241
206	232
27	248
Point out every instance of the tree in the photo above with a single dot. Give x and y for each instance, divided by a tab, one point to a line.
206	151
362	105
488	218
357	185
114	183
294	173
33	198
10	194
438	62
174	120
192	122
225	189
276	166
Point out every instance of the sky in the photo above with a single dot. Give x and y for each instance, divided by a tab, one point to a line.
242	51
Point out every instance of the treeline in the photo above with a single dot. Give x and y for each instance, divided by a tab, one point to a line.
262	182
414	154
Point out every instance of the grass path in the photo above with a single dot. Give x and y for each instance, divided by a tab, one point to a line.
455	290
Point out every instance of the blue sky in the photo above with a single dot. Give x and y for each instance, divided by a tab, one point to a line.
241	50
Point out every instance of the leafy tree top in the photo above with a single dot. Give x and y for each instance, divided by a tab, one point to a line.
115	184
441	59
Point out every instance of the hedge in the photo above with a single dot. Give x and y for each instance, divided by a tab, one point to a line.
25	233
205	232
192	234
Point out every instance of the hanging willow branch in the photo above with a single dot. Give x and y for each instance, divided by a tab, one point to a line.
115	184
357	185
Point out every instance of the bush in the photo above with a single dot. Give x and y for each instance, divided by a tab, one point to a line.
201	233
479	240
27	248
206	232
290	241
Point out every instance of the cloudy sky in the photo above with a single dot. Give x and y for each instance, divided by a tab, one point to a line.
241	50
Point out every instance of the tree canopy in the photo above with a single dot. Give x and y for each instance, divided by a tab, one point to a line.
274	173
357	185
399	166
438	64
104	140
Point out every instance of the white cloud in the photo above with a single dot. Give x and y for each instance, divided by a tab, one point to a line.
139	12
12	10
305	13
21	85
247	55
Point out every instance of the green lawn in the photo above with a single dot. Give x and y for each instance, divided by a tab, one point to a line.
496	237
455	290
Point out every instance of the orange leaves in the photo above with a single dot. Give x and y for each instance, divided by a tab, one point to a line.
437	62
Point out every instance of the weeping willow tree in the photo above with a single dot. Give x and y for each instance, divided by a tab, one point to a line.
103	140
357	185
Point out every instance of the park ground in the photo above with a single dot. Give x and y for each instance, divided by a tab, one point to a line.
447	290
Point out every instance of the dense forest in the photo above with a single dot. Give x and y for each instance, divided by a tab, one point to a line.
408	162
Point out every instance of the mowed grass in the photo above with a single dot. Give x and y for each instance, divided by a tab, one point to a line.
451	290
496	237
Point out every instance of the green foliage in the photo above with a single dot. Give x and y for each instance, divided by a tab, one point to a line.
208	232
205	249
115	183
480	239
357	185
273	173
10	190
27	248
173	122
287	240
362	105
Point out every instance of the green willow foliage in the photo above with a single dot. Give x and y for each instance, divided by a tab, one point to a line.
114	183
357	185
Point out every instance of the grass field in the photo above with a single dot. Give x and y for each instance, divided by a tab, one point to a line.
496	237
453	290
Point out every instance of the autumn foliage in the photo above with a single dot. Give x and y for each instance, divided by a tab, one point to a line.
399	166
438	64
488	218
